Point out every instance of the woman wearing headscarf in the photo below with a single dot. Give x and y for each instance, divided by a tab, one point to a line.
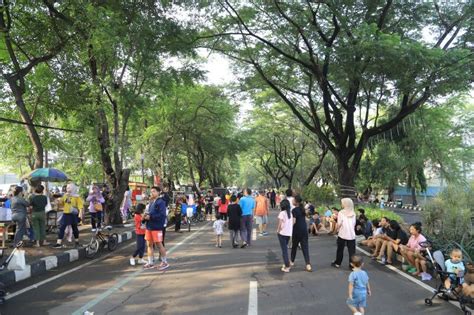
72	203
346	221
19	211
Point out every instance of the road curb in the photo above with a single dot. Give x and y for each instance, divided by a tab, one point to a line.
43	264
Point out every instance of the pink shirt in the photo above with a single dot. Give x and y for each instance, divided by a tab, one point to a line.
414	243
286	224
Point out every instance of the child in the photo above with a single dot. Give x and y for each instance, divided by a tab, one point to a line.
219	229
456	266
140	231
359	287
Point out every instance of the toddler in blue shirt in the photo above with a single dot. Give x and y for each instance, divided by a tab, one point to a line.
455	266
359	287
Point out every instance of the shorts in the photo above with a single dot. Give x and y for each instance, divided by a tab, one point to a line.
154	236
261	219
311	221
358	300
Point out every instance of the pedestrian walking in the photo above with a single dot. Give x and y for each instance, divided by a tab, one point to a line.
72	203
177	214
223	203
247	203
218	227
38	203
19	213
359	287
155	221
300	233
284	231
261	213
209	200
95	200
273	199
346	221
140	230
126	204
234	213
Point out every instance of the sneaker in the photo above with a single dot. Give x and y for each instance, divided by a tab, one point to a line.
425	276
93	230
163	266
265	233
220	246
141	261
333	264
58	245
149	266
243	245
132	261
261	234
285	269
99	229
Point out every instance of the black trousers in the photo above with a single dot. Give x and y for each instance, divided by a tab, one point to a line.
303	240
177	222
273	203
341	243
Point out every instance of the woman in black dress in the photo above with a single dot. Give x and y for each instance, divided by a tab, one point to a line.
234	213
300	233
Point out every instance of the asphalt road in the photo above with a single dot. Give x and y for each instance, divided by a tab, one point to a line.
204	279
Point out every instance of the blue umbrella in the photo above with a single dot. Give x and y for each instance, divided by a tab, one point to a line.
46	175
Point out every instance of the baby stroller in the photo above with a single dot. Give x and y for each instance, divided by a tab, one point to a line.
437	259
4	265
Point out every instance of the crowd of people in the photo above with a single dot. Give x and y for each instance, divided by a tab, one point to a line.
237	212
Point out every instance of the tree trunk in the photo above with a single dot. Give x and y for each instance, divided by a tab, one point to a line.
413	196
346	178
391	191
116	197
30	129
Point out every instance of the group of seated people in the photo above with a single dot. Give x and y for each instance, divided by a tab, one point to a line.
389	238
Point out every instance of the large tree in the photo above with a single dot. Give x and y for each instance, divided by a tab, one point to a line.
349	70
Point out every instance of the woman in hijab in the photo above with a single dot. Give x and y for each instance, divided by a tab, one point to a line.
346	221
72	203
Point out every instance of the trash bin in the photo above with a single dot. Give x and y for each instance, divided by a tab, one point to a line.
399	203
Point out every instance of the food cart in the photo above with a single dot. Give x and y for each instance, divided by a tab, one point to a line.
137	190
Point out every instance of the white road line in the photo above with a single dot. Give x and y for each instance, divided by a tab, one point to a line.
254	234
412	279
37	285
129	278
253	298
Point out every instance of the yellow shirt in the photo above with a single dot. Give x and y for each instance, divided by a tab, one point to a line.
70	202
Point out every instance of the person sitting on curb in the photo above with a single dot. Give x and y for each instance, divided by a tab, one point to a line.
391	245
386	235
413	249
376	230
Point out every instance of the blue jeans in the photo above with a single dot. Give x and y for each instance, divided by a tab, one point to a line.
284	248
246	228
140	251
20	220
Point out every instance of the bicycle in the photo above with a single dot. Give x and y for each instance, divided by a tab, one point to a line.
99	240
